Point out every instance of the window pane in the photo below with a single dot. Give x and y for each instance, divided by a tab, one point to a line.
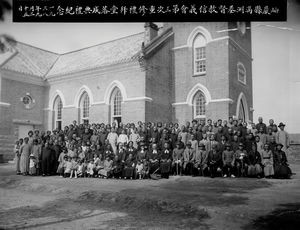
241	73
117	103
85	106
199	104
59	109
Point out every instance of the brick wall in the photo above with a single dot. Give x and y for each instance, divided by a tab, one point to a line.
11	92
130	75
216	79
236	55
159	83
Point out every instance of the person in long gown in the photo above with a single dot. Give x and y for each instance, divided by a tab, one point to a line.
281	167
24	160
154	158
165	161
129	166
267	161
106	171
36	151
254	162
17	152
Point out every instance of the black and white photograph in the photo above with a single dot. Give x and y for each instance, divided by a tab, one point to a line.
162	124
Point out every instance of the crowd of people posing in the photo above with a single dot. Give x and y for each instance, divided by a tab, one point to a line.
230	148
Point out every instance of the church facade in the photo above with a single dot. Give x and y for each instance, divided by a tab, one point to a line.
177	73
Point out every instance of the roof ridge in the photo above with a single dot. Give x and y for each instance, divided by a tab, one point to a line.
35	47
102	43
48	71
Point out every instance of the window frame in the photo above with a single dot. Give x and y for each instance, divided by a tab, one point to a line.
84	109
57	112
199	93
200	46
241	68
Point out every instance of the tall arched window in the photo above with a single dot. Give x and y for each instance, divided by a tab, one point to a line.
242	114
199	54
84	108
199	105
241	71
57	109
116	105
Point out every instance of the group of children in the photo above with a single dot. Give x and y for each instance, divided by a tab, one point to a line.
148	150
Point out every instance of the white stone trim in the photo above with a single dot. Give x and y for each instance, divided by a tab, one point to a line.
79	93
69	106
179	103
195	32
22	77
229	100
110	89
139	99
203	89
62	97
4	104
154	46
180	47
99	103
31	122
243	98
222	100
220	38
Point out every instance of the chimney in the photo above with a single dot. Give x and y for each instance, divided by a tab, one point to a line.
151	31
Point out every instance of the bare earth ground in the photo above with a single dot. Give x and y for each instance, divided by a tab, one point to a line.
177	203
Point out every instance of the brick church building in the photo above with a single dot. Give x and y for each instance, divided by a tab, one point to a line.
177	73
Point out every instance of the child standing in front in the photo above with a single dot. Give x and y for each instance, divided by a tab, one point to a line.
32	165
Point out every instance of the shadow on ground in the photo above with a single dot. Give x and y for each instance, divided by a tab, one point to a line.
287	216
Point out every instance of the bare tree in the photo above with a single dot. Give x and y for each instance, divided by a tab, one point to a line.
5	6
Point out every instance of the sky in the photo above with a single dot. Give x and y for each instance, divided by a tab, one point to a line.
66	37
268	69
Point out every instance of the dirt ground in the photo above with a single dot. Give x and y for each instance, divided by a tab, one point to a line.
178	203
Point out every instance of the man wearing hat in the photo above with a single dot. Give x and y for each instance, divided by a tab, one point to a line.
241	161
188	159
282	137
228	161
200	165
281	167
214	161
177	156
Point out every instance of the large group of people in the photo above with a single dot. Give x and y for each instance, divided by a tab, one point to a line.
221	148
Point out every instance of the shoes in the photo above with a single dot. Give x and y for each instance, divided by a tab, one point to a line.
75	177
232	176
225	176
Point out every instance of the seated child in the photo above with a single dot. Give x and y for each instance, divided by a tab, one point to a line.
67	167
90	168
80	169
140	172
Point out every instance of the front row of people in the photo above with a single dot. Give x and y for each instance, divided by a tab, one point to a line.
148	163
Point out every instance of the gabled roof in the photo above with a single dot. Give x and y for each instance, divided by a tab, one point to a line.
34	61
29	60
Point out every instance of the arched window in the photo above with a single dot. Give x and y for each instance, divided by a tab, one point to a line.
199	54
242	114
241	71
57	109
116	105
84	108
199	105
